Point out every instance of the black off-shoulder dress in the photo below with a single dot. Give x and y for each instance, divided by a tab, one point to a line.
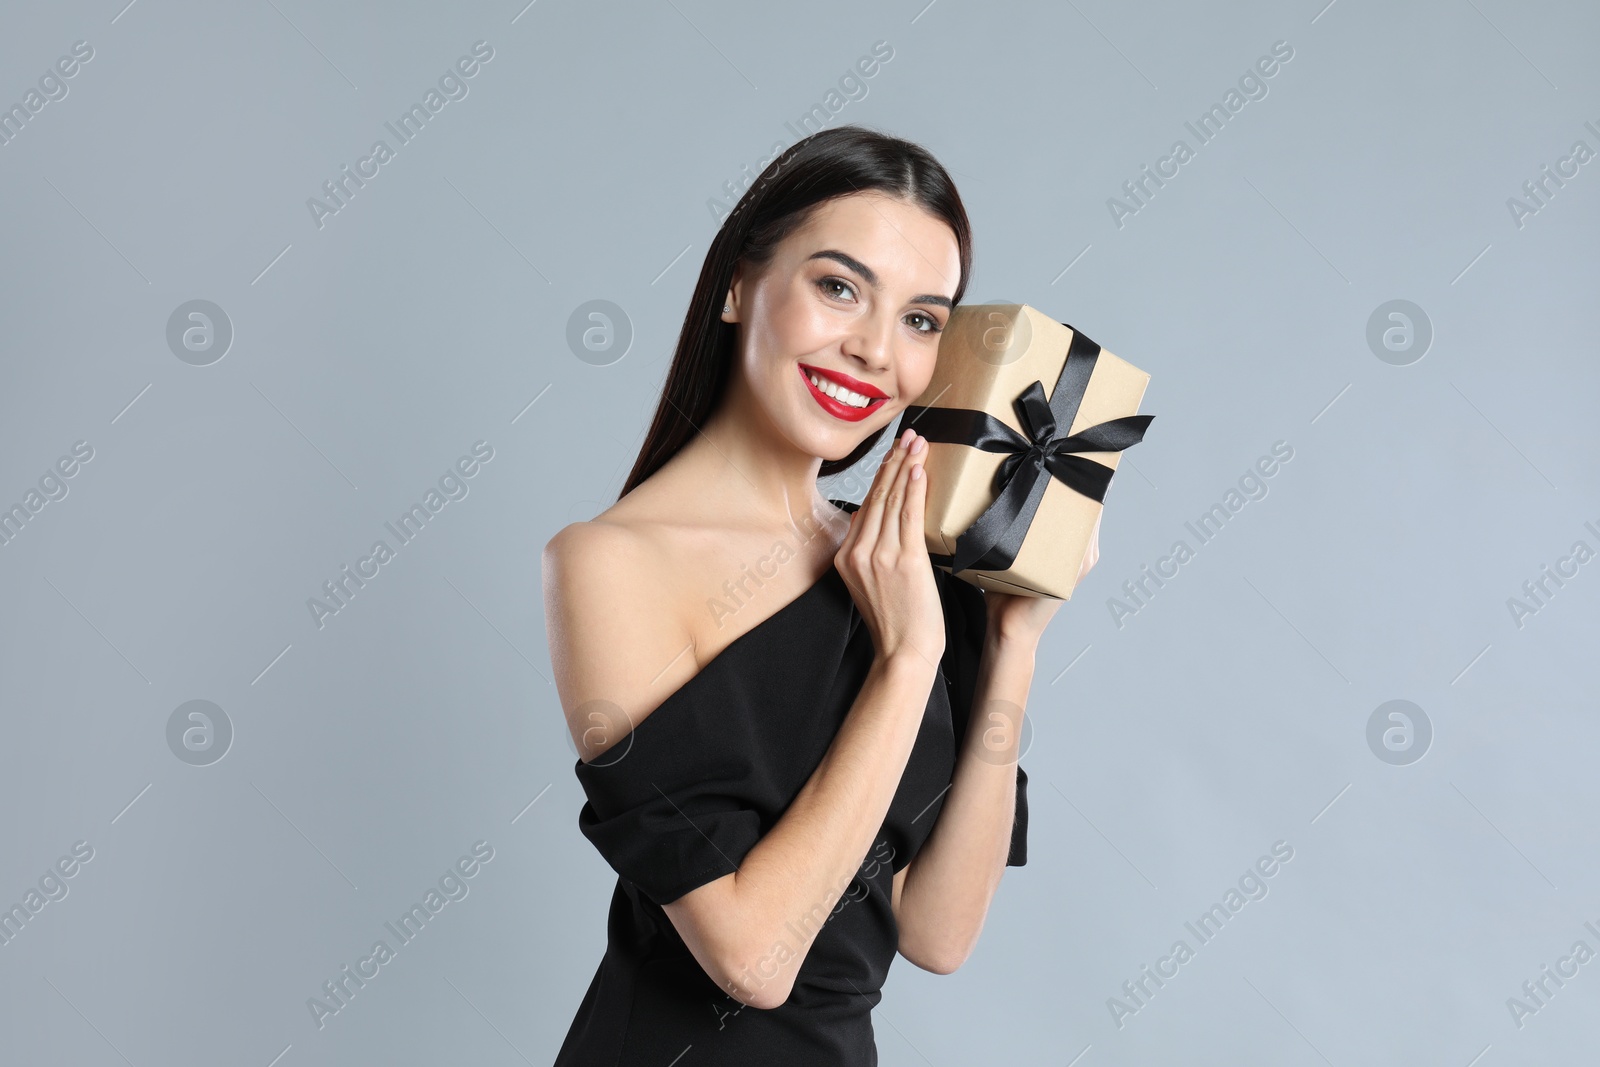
704	777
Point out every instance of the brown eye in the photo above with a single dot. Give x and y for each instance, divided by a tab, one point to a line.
827	283
932	327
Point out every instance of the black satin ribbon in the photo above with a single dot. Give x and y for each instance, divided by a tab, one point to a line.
992	542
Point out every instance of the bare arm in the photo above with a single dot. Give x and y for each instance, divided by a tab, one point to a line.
941	907
750	930
946	889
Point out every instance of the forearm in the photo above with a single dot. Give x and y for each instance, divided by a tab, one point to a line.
789	882
954	876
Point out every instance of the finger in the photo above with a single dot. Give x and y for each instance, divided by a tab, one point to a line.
849	534
872	507
889	535
1091	555
912	521
894	523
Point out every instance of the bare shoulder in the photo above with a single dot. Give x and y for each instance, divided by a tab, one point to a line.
613	628
610	557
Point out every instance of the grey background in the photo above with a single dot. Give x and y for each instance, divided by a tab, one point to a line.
431	313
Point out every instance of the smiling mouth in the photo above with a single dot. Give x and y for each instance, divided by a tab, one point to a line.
839	400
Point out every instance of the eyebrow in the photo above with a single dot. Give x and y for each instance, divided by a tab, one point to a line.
872	276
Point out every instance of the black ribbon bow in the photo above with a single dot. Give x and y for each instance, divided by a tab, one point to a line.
993	540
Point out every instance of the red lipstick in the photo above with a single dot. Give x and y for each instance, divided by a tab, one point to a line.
838	408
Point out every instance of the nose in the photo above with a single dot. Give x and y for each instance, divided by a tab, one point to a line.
870	347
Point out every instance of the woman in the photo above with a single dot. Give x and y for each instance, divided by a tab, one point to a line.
771	694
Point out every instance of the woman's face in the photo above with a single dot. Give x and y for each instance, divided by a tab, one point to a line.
853	300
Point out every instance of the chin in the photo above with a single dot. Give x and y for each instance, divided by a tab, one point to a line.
838	441
829	449
851	445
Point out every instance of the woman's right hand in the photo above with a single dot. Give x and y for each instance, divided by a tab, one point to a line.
884	559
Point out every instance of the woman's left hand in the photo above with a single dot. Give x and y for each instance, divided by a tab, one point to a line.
1024	618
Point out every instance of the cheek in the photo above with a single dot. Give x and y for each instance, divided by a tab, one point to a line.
783	330
770	371
919	372
770	360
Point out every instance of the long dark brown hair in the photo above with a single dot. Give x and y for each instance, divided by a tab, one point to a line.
828	164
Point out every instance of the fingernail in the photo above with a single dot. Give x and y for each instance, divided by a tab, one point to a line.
905	437
917	445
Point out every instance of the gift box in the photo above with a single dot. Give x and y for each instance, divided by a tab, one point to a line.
1026	419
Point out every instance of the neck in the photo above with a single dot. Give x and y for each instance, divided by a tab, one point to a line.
750	471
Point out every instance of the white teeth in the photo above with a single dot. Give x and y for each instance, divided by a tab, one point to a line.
839	392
